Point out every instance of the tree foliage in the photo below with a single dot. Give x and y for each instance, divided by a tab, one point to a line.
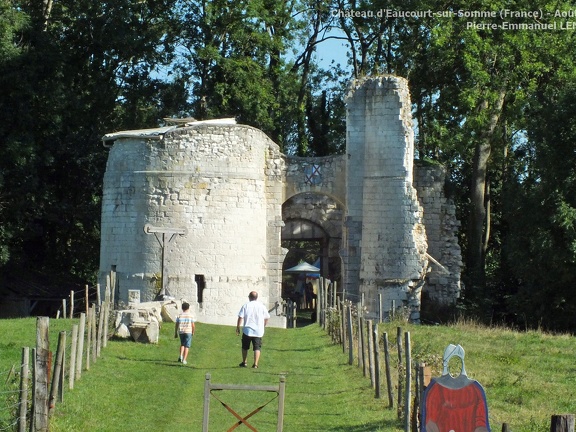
492	104
541	245
69	75
253	60
474	90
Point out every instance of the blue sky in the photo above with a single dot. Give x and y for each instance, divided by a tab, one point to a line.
332	49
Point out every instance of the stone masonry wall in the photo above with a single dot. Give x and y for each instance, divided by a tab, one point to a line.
384	217
223	185
386	223
442	281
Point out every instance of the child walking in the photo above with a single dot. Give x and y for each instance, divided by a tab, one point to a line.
185	328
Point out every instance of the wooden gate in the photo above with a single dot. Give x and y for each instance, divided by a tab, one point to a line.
210	387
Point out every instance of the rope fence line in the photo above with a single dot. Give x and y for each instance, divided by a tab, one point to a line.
79	301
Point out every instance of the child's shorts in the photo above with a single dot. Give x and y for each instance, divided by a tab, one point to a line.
186	339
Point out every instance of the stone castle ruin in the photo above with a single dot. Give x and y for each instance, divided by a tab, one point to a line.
208	203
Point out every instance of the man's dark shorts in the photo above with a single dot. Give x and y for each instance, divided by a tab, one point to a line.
255	341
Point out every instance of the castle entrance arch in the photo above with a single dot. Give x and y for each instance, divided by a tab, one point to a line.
312	232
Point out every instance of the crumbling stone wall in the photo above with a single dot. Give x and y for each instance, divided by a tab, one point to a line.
443	279
229	190
386	240
222	183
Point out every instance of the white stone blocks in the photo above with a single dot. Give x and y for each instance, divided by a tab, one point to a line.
226	185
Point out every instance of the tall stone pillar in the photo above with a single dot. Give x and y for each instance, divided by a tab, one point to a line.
385	244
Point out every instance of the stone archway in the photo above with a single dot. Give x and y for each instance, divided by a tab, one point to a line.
310	216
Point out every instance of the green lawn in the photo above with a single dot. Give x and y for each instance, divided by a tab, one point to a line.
137	387
140	387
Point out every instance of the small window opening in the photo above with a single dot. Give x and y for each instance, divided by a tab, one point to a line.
200	284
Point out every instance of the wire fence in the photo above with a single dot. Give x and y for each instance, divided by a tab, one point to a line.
9	395
31	389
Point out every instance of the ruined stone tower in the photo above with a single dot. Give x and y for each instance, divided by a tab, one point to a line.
207	204
385	240
210	194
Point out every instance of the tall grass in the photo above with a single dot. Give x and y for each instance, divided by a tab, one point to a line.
527	377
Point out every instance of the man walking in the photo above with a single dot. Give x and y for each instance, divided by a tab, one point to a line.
255	317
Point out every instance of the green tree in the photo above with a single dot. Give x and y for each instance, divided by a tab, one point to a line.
12	23
471	87
78	70
541	246
254	60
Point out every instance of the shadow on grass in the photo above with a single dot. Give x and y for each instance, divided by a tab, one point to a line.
303	322
305	317
190	365
292	349
370	427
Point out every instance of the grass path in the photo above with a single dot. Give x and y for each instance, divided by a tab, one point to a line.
138	387
527	376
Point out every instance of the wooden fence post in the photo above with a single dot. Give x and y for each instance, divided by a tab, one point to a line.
88	338
388	371
41	375
62	372
376	362
32	408
86	300
106	317
73	354
100	331
562	423
350	337
370	352
71	304
334	296
281	397
98	294
113	287
359	328
24	389
318	301
325	303
343	328
408	385
418	379
342	311
80	349
361	346
358	336
400	368
94	334
57	372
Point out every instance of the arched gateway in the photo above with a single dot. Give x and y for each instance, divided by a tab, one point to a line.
208	203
